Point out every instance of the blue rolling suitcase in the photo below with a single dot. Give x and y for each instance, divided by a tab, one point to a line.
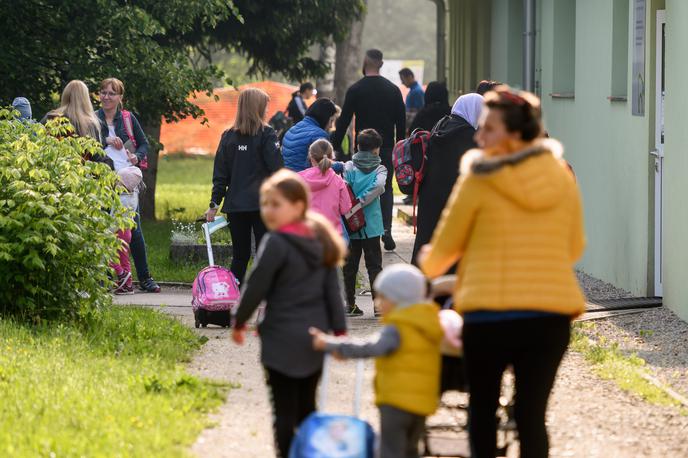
324	435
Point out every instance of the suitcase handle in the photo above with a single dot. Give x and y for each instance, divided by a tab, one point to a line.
325	381
208	230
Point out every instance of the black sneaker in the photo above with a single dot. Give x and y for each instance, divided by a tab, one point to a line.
388	242
353	310
149	286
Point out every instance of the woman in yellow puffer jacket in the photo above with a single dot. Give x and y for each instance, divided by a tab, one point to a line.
514	221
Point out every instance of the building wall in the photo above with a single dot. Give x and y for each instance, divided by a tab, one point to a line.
676	160
607	146
506	42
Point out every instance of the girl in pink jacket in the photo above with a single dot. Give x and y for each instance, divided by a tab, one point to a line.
329	195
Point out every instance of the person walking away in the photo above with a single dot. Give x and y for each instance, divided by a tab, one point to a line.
436	107
377	104
126	144
248	153
319	117
296	110
515	222
415	99
295	274
407	358
366	176
329	195
450	139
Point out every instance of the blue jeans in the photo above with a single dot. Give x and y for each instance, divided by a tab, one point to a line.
138	249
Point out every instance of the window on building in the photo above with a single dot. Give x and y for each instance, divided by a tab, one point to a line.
564	72
619	89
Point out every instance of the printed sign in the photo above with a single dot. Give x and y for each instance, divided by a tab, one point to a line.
638	83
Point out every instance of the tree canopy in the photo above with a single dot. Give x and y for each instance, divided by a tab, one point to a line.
150	45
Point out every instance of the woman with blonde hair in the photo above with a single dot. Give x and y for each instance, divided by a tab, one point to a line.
248	153
75	105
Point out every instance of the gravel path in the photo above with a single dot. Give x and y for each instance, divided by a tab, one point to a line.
588	417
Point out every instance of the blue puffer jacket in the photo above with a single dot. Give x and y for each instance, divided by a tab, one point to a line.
296	142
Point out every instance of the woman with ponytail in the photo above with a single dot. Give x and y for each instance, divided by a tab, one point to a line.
295	273
329	195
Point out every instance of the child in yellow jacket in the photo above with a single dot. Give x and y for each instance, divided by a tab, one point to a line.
407	352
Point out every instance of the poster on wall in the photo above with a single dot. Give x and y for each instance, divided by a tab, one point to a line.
638	86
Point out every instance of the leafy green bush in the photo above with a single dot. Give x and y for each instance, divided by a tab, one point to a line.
56	230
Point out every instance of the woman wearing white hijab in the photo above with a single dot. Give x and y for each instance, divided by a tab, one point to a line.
451	138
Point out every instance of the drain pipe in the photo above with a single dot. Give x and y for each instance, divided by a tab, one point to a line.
529	45
441	39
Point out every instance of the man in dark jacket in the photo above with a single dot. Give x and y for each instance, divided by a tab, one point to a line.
377	104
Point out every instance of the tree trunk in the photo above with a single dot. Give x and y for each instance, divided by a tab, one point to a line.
147	204
325	85
349	60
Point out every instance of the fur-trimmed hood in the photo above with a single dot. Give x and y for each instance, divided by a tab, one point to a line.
535	178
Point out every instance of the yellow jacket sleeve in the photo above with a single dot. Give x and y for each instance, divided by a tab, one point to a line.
454	229
577	229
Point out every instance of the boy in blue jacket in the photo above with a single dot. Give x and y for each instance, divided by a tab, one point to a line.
366	175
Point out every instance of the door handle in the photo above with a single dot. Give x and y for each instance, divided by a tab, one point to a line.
656	153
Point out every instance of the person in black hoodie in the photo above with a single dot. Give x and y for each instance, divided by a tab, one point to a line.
450	139
248	153
295	273
436	107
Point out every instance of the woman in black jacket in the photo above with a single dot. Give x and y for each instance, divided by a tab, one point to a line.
451	138
248	153
436	107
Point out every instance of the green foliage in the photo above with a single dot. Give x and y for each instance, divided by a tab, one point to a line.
55	237
112	387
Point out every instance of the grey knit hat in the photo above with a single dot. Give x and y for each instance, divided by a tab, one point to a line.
402	284
23	106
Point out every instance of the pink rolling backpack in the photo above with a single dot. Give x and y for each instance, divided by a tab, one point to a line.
215	290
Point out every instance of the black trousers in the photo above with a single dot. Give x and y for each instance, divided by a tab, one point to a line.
293	399
387	199
241	225
534	347
373	261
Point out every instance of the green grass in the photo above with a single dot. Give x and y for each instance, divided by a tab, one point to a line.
113	387
183	187
157	235
611	363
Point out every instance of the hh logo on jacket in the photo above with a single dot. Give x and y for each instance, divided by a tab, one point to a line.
243	147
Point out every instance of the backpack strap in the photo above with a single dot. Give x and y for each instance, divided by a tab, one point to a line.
129	127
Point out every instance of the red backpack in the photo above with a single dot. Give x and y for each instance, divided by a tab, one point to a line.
409	157
129	127
354	219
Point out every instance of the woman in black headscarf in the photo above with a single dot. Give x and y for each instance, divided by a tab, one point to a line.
436	107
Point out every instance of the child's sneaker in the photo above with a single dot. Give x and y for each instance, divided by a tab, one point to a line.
353	310
124	290
123	279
